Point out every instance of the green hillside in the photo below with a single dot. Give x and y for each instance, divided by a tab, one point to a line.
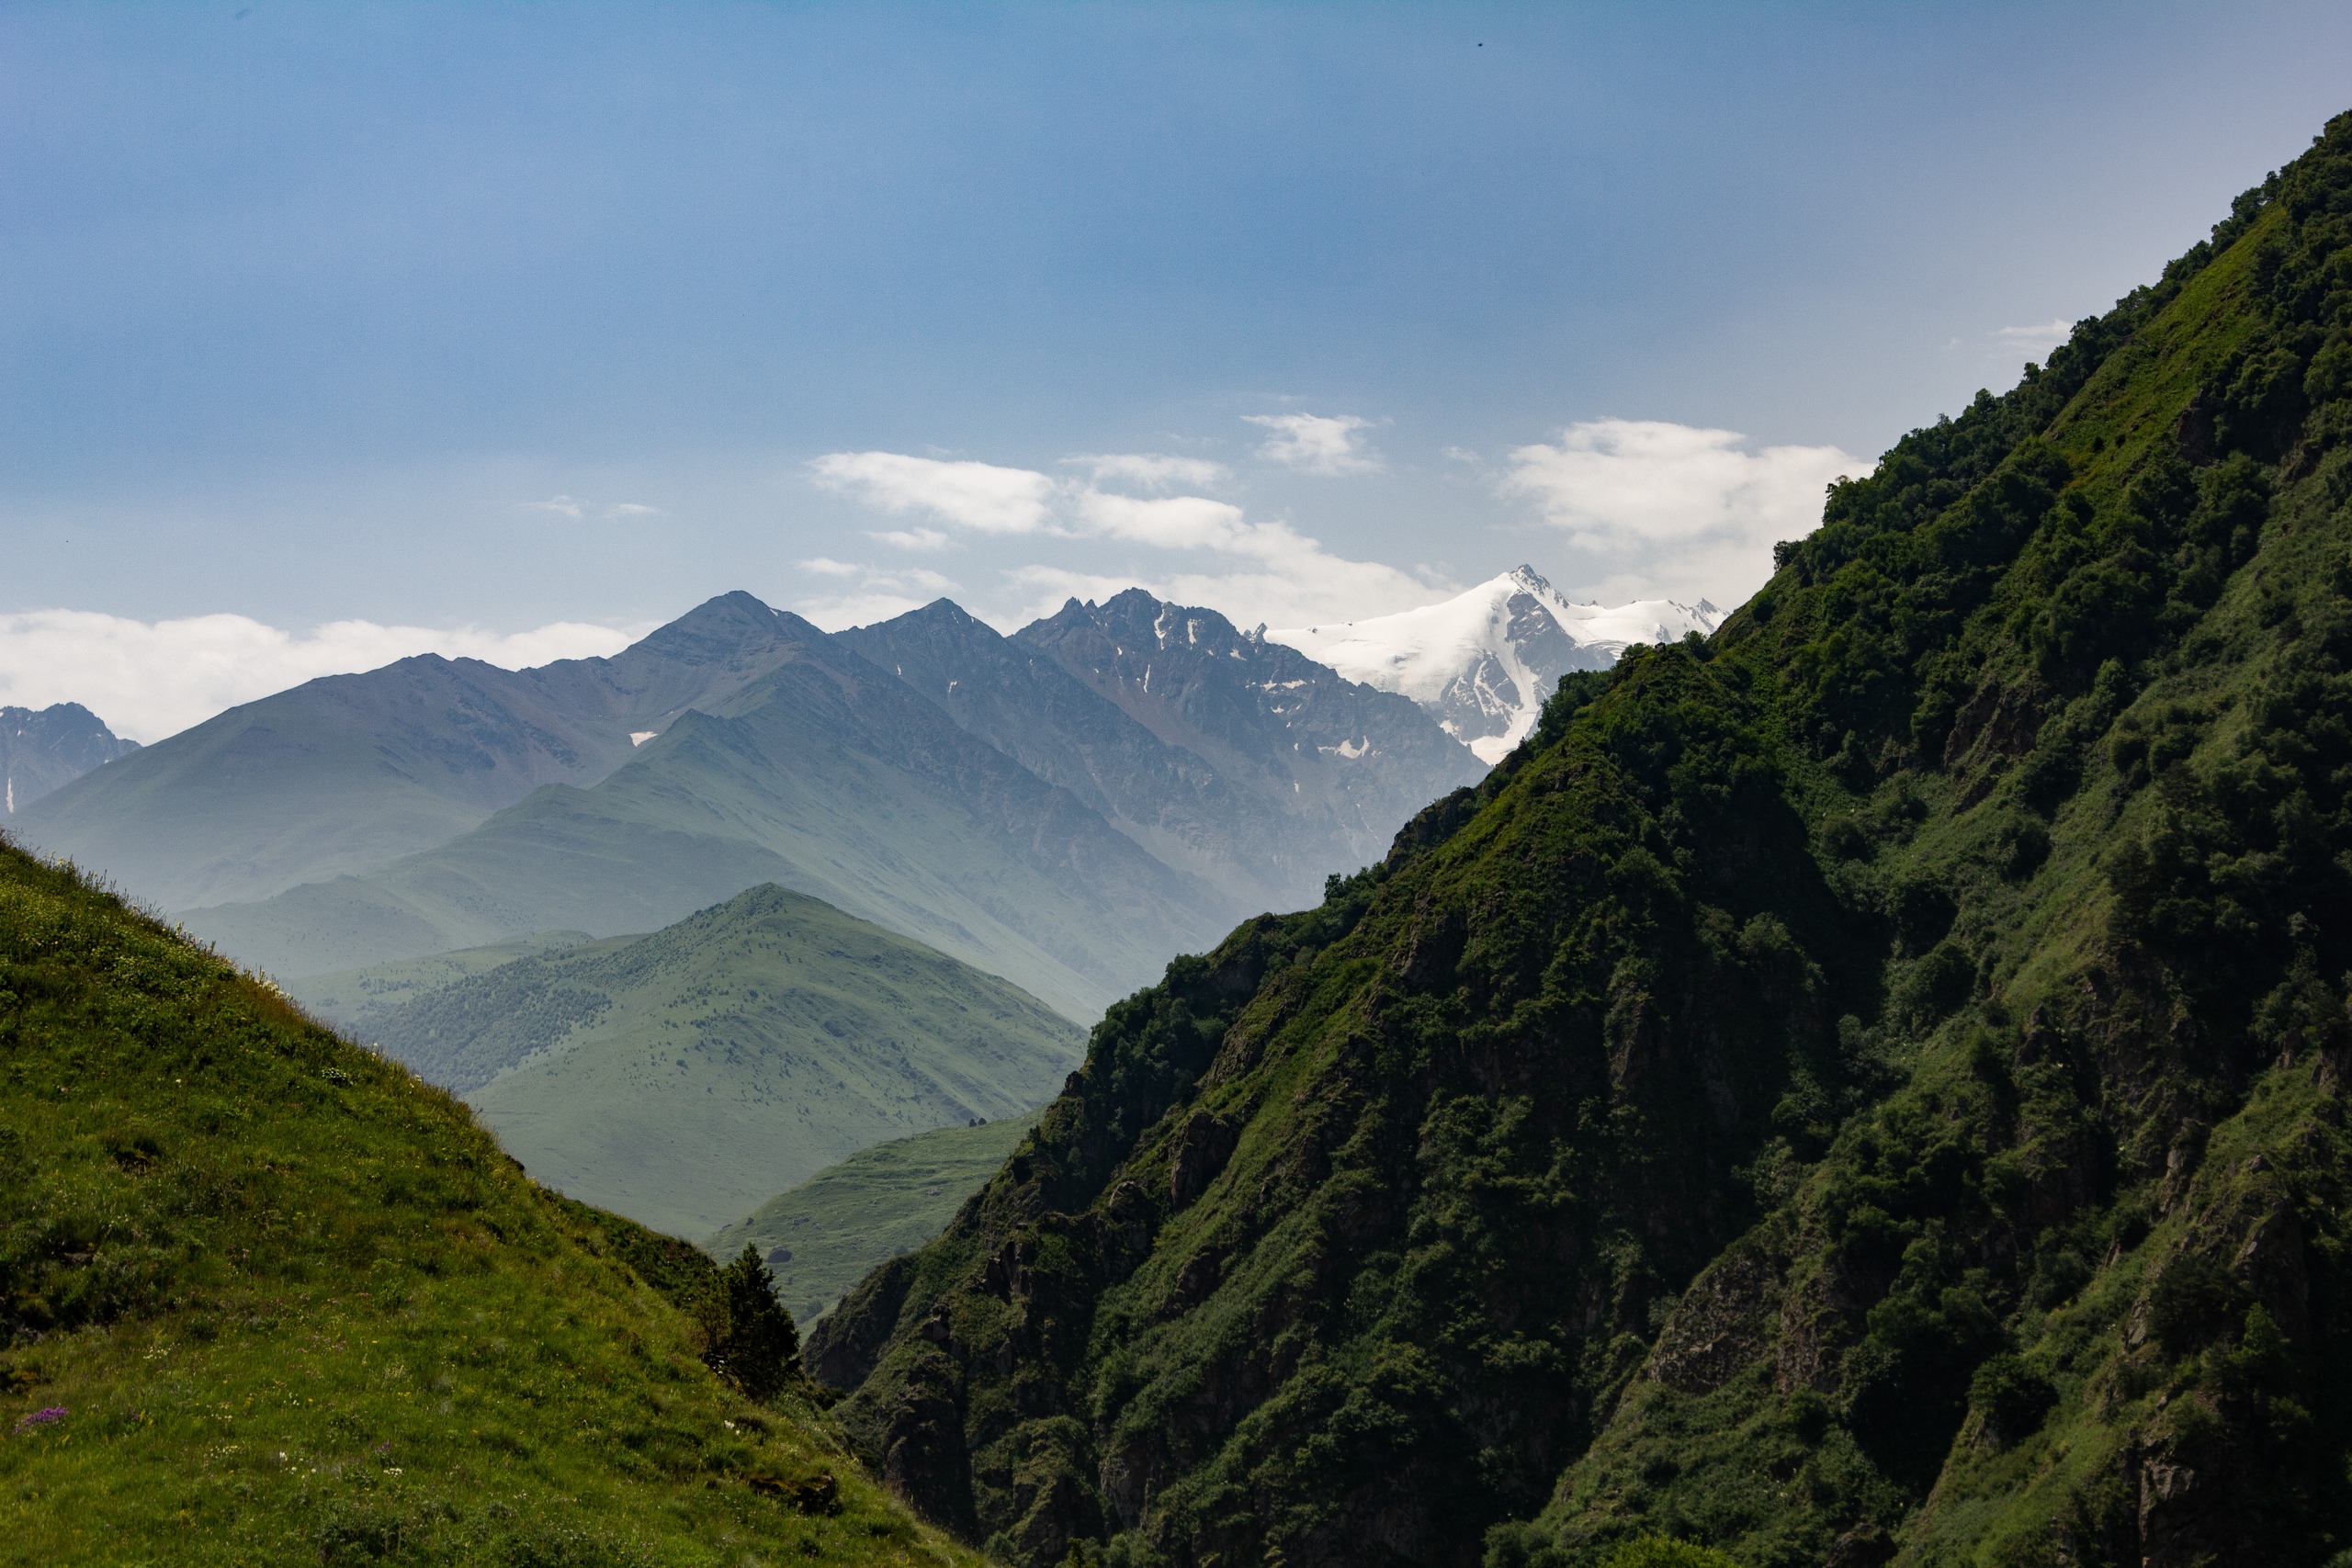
685	1078
826	1234
266	1298
357	1000
1865	1088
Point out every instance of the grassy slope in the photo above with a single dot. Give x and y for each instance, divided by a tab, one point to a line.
1781	1094
683	1078
833	1228
356	1000
294	1306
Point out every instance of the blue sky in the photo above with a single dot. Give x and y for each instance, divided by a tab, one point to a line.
470	320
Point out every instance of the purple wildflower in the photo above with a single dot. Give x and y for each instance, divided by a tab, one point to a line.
41	1418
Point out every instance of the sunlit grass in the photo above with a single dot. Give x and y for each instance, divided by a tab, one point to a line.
286	1302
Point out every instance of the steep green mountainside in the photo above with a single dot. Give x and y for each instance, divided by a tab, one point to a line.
344	773
828	1233
1236	760
1864	1088
683	1078
828	774
42	749
266	1298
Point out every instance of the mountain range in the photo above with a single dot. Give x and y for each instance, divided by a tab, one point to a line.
1483	662
1048	807
1867	1086
43	749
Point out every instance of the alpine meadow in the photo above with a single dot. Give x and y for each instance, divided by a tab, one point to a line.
1864	1086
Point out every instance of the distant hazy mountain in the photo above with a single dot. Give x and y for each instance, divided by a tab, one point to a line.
827	775
346	772
1245	765
1482	662
1341	765
43	750
825	1235
685	1078
1068	807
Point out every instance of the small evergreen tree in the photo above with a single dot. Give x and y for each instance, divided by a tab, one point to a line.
754	1338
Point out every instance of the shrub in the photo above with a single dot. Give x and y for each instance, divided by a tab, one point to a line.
2010	1398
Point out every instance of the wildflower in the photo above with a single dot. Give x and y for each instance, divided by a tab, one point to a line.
55	1413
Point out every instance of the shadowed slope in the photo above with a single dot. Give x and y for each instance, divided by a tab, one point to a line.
1863	1087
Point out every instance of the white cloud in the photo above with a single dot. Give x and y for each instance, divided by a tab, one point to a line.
881	593
1167	522
573	507
912	539
1305	589
971	495
826	565
1280	575
2034	342
856	609
1152	471
1663	508
149	679
1316	443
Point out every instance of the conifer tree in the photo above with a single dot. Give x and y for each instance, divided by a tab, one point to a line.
757	1343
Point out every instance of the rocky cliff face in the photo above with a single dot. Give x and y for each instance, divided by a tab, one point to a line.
42	749
1866	1089
1339	763
1259	771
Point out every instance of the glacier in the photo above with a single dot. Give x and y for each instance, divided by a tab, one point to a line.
1482	662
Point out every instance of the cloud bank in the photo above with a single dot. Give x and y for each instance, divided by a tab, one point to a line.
2035	342
979	496
148	680
1327	444
1255	571
1654	509
577	510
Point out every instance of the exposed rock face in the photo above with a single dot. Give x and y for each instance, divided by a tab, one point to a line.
41	749
1233	760
1341	763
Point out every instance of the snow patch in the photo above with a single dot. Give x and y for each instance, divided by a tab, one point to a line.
1483	661
640	736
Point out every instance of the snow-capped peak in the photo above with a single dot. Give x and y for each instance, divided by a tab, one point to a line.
1483	661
